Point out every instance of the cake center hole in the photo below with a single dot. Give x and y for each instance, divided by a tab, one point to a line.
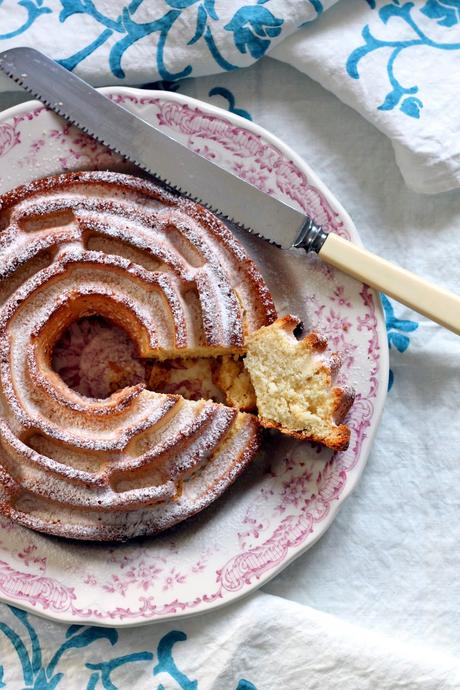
95	358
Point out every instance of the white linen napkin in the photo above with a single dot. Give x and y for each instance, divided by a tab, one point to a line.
134	42
398	64
265	643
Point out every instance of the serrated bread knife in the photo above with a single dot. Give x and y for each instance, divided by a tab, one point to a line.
221	191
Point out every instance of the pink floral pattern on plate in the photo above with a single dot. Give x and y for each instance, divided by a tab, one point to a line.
286	500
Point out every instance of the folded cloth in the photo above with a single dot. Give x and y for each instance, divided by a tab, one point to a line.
132	42
265	643
398	64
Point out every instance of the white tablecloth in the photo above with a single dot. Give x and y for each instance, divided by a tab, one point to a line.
374	604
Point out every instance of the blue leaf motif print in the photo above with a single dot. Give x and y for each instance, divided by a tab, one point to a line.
401	96
388	11
391	379
34	10
169	24
401	342
82	639
181	4
166	663
319	9
201	19
36	660
72	629
391	99
393	325
252	28
135	32
37	676
412	106
396	330
105	668
445	12
210	7
43	683
129	32
230	98
206	12
318	6
71	7
21	651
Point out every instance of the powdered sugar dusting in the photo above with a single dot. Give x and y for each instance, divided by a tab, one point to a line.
167	273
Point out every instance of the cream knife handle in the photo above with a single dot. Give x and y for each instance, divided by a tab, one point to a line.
436	303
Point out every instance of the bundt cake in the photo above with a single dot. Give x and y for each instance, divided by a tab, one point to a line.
167	273
171	275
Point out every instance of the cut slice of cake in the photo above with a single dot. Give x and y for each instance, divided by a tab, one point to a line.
291	383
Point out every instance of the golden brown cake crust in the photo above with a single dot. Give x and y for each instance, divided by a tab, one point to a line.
170	274
338	439
299	375
262	302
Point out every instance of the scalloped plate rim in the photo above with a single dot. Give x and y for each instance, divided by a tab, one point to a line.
233	597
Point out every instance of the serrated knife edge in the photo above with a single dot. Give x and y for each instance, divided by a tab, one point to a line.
152	150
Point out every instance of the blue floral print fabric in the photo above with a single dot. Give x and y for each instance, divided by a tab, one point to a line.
136	41
396	62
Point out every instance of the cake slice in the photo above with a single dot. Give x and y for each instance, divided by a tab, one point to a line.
291	383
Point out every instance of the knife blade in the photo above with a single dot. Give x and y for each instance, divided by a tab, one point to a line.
221	191
150	149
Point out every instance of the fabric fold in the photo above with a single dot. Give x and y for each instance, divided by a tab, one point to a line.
262	643
134	43
398	65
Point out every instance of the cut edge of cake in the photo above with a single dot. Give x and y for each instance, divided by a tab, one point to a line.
290	383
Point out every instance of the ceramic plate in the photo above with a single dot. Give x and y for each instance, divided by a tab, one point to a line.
289	496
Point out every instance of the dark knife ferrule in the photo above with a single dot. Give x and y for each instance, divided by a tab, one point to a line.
311	237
